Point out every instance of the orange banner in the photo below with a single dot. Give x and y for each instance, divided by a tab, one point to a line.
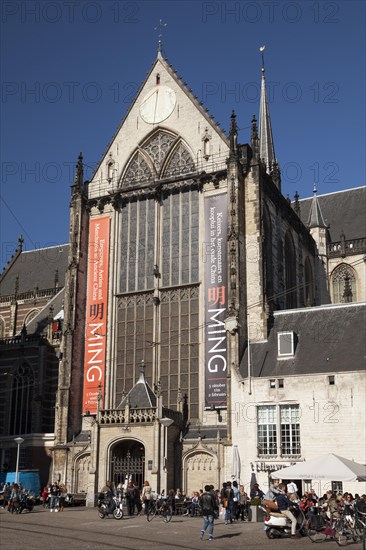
96	313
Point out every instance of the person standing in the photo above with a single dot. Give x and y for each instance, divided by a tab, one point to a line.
208	506
235	511
63	495
54	494
146	496
130	497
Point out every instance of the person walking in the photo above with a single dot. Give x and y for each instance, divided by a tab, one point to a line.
146	496
208	506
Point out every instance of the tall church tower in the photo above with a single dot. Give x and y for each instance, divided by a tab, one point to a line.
70	384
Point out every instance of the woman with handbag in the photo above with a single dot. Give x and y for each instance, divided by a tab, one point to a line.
146	496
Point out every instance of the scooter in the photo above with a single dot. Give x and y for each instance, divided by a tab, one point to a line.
105	507
26	503
277	525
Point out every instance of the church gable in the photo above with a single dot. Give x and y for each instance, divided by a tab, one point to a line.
162	100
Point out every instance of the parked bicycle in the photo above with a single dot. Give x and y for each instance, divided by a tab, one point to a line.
349	528
160	507
319	526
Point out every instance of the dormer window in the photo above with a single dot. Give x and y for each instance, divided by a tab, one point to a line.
286	344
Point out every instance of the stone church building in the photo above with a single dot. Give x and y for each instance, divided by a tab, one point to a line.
186	268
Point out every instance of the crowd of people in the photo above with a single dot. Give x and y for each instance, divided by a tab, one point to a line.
231	500
52	496
283	497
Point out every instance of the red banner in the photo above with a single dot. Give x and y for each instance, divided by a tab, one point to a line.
96	313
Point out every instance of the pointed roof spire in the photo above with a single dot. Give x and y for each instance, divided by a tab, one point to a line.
254	139
20	243
266	147
315	218
233	136
141	395
79	175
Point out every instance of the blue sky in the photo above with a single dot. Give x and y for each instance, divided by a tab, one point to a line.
70	70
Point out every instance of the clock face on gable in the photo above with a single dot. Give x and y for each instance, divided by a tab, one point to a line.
158	104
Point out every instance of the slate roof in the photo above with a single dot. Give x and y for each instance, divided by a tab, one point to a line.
141	396
35	268
40	321
330	339
342	211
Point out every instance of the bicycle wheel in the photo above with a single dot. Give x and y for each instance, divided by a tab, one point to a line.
315	535
152	512
341	532
358	528
167	514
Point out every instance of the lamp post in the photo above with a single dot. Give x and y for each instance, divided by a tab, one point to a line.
18	441
166	422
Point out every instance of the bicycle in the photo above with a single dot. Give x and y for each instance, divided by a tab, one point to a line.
160	507
349	528
320	527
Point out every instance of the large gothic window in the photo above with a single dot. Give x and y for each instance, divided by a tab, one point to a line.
138	172
180	238
180	162
137	245
344	284
309	284
135	340
157	147
179	347
290	272
21	401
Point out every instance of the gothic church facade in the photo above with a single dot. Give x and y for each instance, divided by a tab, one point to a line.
183	255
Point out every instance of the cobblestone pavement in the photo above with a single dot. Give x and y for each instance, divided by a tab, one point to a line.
81	528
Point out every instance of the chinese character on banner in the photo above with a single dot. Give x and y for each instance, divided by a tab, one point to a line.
216	295
96	311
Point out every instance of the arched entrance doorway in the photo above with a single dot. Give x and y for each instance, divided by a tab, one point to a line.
128	462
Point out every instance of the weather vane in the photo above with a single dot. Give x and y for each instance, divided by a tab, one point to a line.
261	49
159	28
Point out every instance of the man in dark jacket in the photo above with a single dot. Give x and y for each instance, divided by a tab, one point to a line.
284	503
208	505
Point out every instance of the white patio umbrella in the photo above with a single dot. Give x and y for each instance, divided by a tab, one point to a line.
330	467
236	464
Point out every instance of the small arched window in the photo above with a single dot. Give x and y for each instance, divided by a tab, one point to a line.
344	284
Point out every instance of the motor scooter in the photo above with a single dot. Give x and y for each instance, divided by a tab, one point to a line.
105	507
26	503
277	525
